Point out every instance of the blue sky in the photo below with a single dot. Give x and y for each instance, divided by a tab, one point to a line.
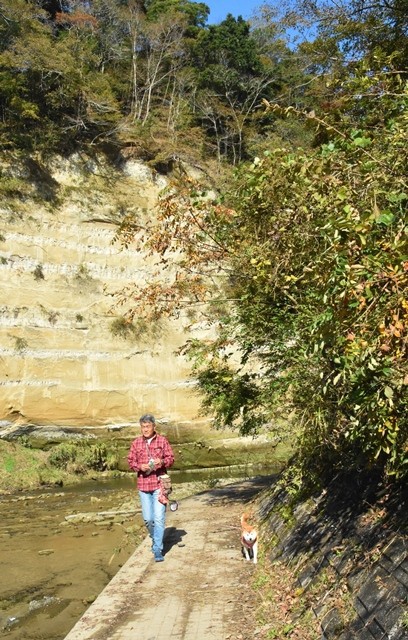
220	8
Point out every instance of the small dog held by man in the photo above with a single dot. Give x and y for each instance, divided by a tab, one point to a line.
249	539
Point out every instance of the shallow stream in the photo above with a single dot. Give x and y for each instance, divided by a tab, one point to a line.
54	562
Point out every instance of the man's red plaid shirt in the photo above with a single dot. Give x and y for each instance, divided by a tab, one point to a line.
141	452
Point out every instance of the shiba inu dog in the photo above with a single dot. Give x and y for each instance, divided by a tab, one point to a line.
249	539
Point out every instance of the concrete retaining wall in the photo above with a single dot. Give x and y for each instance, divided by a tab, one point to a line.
349	545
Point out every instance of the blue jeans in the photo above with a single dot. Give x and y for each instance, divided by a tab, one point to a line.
154	515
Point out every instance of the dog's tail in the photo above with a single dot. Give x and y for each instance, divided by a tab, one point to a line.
244	522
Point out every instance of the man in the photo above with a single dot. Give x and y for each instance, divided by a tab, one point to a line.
150	455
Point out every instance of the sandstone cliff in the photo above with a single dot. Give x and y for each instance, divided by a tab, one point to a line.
64	361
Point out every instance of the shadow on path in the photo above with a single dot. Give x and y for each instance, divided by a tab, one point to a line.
173	537
239	492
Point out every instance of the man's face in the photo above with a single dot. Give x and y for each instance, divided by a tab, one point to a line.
147	429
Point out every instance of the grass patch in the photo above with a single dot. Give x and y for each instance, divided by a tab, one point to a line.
23	468
282	610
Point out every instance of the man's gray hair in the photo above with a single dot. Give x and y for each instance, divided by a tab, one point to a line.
148	417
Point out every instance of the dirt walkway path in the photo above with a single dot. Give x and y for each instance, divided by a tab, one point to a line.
198	593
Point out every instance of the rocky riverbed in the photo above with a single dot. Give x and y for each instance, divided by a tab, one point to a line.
58	550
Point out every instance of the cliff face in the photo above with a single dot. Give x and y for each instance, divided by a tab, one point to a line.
65	359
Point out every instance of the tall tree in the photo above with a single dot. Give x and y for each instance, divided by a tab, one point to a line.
196	12
51	79
353	29
231	81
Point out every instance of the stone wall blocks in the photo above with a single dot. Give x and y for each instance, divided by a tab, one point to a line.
361	608
365	634
328	541
356	577
332	624
398	593
346	635
275	554
301	511
274	522
282	531
389	614
404	565
399	633
290	553
306	577
377	587
340	561
401	575
376	629
311	571
386	563
397	550
356	626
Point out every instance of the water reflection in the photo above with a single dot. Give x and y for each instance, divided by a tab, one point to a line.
210	476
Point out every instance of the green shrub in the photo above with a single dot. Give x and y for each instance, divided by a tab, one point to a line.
81	456
63	454
121	327
38	273
20	344
83	272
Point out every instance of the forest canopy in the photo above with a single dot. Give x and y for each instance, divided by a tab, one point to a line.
111	72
